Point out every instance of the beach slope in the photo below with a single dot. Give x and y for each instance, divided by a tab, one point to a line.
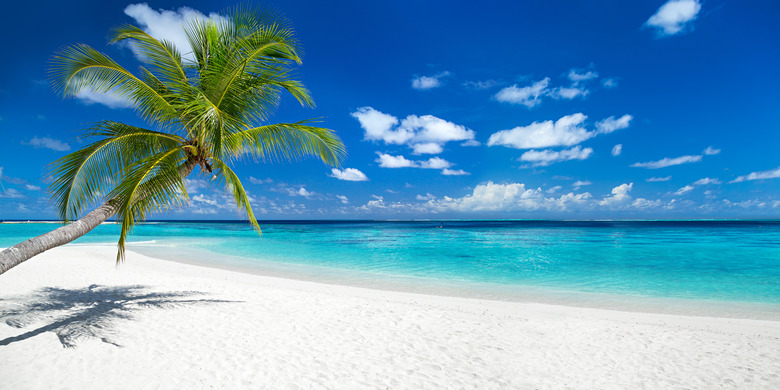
71	319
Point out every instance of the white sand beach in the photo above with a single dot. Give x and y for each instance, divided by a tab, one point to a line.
72	320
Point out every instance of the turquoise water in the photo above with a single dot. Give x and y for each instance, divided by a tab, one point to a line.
729	261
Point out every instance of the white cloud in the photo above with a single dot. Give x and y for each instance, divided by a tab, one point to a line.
168	24
667	162
566	131
684	190
424	134
110	99
619	195
471	142
547	157
608	125
430	129
428	82
567	92
343	199
609	83
528	96
348	174
770	174
617	149
434	163
674	16
553	190
706	181
658	179
454	172
48	143
255	180
32	187
427	196
581	183
301	192
710	151
428	148
389	161
576	75
508	197
378	126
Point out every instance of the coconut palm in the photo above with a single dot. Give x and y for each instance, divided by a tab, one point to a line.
207	109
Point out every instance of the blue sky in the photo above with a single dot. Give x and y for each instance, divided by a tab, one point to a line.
523	109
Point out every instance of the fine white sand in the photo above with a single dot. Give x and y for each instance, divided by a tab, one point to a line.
70	320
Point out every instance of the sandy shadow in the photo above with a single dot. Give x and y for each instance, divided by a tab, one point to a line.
91	312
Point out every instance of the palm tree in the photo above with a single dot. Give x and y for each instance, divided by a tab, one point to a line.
205	108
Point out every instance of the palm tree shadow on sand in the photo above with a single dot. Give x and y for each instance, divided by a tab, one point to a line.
91	312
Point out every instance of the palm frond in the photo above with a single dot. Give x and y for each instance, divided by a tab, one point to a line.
233	184
80	67
88	174
152	184
288	141
161	54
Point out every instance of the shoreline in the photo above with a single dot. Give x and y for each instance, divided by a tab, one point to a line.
183	325
465	289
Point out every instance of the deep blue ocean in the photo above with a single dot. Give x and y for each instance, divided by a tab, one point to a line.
658	264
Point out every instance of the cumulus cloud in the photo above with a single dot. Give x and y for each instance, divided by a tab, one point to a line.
454	172
547	157
532	95
566	131
508	197
608	125
429	82
763	175
658	179
378	126
427	196
343	199
48	143
425	134
619	195
528	96
168	24
617	149
390	161
667	162
674	16
348	174
32	187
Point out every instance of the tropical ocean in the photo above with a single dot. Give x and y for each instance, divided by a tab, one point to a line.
714	268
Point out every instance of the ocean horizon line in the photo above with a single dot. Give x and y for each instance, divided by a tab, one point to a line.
320	221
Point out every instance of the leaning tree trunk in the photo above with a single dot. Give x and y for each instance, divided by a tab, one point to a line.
19	253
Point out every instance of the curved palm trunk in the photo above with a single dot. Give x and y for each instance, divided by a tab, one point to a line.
19	253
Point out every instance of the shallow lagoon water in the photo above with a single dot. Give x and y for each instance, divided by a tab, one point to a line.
618	264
